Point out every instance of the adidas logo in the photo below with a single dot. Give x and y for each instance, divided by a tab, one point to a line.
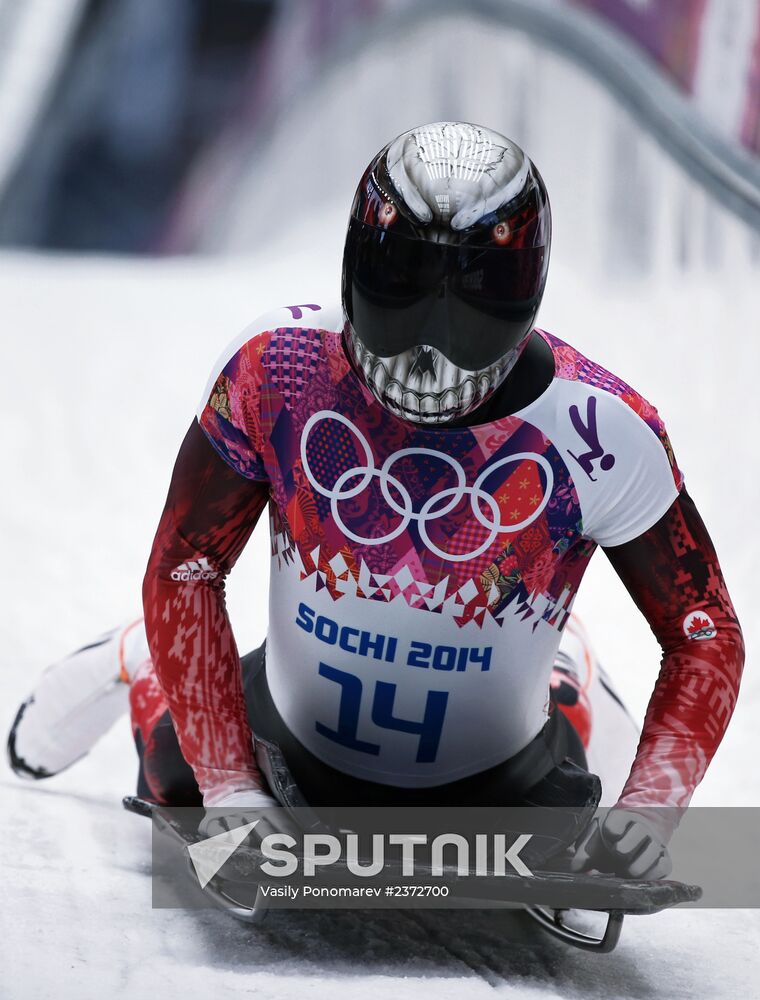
200	570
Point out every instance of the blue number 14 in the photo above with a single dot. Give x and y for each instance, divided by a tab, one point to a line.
346	733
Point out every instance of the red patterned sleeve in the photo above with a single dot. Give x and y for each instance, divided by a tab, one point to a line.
210	513
673	574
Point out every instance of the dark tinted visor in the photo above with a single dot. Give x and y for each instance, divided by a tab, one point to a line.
473	303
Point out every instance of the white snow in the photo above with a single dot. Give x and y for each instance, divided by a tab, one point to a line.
103	364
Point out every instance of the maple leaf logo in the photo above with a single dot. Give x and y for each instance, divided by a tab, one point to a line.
699	626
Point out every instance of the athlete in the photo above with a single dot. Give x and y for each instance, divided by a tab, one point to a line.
438	473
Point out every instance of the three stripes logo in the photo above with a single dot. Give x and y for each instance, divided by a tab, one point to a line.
193	571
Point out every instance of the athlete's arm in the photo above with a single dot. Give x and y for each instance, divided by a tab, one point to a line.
672	573
209	515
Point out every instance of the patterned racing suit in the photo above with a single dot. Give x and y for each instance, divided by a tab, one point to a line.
421	577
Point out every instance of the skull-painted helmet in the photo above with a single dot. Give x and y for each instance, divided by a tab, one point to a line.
444	268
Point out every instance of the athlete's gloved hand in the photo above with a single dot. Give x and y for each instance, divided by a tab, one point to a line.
252	805
623	843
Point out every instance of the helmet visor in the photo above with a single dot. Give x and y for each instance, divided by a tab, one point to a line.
472	303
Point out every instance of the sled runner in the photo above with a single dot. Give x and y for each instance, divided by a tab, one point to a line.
546	896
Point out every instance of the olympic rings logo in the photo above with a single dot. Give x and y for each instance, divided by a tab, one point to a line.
430	510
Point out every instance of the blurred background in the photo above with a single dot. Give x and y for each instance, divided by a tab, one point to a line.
195	125
171	169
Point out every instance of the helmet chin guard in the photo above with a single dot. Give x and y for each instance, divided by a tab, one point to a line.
443	269
421	385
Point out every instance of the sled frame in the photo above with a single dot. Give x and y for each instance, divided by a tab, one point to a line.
553	922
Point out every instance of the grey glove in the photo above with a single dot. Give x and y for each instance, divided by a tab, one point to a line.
625	844
246	807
